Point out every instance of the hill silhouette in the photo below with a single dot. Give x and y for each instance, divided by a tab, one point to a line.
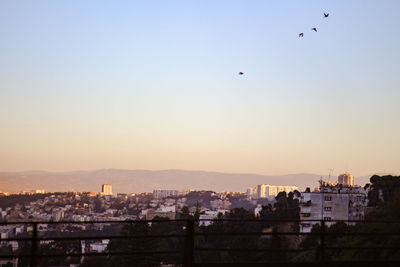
136	181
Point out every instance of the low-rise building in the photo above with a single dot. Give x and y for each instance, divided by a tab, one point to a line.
158	194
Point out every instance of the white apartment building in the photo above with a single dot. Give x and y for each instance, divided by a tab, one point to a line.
331	202
158	194
269	191
273	190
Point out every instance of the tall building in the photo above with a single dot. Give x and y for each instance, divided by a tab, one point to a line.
331	202
106	189
262	191
346	179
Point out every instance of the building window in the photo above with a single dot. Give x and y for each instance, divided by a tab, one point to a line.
327	218
306	214
328	198
327	208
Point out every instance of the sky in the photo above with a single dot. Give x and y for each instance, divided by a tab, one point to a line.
155	85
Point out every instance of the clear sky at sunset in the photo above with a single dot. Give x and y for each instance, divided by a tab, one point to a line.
155	85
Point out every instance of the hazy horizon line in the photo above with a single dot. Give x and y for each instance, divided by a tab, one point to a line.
190	170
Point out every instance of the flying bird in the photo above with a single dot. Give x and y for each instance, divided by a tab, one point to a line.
326	15
301	34
314	29
241	73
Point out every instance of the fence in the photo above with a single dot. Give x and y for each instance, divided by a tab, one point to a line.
189	235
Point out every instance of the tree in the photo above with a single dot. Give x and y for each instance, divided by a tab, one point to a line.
134	246
185	213
382	189
232	224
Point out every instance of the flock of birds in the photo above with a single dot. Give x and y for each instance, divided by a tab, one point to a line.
314	29
302	34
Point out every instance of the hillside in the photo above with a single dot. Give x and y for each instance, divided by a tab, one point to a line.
136	181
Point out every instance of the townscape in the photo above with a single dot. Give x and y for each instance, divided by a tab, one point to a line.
91	206
329	202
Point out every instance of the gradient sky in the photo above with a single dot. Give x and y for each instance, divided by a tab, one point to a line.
154	85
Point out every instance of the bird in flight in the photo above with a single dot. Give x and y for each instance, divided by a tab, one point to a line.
301	34
326	15
241	73
314	29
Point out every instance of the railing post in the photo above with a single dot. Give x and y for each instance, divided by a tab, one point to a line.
34	245
189	244
322	242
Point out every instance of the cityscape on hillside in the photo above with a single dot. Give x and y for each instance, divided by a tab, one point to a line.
104	205
327	202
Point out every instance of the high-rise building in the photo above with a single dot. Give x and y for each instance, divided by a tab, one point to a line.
346	179
106	189
262	191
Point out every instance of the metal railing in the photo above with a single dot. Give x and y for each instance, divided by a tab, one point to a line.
189	235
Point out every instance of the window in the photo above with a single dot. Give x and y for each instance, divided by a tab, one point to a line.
327	218
306	214
328	198
327	208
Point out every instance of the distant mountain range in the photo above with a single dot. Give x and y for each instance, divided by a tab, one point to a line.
137	181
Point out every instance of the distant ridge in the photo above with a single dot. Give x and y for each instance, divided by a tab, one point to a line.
137	181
